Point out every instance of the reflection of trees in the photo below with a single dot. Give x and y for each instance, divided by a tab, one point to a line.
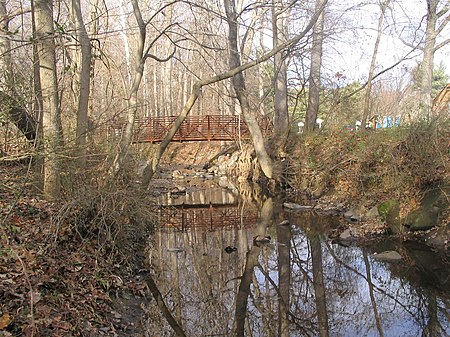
433	327
311	226
319	285
357	272
162	306
250	263
244	290
284	275
371	293
298	285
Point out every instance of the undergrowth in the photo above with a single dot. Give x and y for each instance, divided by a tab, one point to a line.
63	263
396	163
109	217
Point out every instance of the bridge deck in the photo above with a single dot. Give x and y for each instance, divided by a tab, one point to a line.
194	128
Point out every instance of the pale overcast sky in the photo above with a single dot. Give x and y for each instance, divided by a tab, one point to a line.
351	53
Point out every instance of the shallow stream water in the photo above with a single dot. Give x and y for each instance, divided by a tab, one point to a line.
298	284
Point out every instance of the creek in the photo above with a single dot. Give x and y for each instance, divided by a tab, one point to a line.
299	283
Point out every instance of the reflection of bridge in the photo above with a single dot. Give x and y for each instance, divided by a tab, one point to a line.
194	128
209	208
206	216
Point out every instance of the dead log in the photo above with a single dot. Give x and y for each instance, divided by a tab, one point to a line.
18	115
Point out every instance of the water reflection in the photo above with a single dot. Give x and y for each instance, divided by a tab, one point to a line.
299	284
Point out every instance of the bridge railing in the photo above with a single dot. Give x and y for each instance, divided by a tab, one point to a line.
194	128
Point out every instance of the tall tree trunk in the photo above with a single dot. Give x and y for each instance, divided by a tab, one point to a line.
38	103
366	111
124	36
85	81
261	71
314	75
6	75
281	115
127	136
426	67
53	136
241	92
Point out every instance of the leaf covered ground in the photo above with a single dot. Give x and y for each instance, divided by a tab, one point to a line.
54	281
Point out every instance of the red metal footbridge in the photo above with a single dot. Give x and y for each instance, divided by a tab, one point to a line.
194	128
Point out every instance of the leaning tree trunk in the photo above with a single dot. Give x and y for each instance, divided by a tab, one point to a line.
18	115
241	92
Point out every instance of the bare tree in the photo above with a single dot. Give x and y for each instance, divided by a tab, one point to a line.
241	91
429	48
11	105
53	135
85	81
142	54
5	49
314	73
198	85
281	115
367	97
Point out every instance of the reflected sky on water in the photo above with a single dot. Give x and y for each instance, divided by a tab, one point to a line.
299	284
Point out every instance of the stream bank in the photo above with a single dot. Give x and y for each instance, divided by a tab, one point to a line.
366	183
61	277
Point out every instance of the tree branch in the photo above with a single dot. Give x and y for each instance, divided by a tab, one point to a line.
228	74
443	24
442	44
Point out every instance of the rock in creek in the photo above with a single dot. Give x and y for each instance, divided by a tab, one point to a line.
355	214
348	237
296	207
423	218
388	256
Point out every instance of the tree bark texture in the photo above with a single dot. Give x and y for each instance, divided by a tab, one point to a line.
281	114
314	74
241	92
426	67
38	104
85	81
52	127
